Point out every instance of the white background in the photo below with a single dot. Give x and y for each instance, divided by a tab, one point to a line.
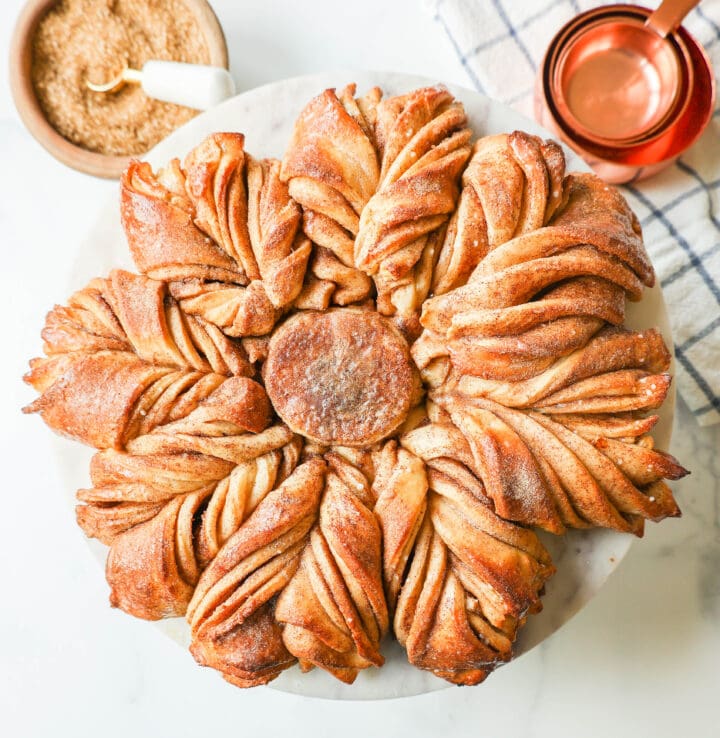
643	659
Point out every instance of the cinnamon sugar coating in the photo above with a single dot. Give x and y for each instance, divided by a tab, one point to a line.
341	377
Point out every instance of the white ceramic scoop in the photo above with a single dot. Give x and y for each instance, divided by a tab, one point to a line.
193	85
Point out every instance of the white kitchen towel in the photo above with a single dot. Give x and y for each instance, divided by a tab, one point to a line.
500	44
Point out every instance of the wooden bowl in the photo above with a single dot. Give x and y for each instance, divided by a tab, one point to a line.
28	107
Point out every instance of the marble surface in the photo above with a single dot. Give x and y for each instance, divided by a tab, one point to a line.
642	659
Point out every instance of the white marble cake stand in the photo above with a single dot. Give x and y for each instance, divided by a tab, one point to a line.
584	559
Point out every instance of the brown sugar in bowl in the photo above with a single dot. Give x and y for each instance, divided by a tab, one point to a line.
31	113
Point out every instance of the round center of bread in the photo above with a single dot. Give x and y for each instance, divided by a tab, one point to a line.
341	377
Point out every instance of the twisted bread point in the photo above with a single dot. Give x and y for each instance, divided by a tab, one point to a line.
165	519
459	579
545	292
300	580
332	171
617	371
123	358
376	179
504	468
539	471
512	185
131	313
222	229
167	503
577	444
422	142
331	164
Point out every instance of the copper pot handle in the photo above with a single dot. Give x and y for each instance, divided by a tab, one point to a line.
669	15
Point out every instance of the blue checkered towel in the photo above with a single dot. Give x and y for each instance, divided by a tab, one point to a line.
500	44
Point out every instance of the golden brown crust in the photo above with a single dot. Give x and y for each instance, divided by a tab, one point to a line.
304	543
377	179
422	141
513	184
168	503
122	360
160	229
580	467
131	313
332	152
534	263
603	362
170	512
246	257
143	571
93	400
459	579
301	579
342	377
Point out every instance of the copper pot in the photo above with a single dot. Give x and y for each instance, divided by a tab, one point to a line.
627	99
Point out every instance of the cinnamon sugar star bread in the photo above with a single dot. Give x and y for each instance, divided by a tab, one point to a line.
347	386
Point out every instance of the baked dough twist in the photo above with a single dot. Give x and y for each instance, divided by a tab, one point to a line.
459	579
166	508
300	580
222	230
123	357
377	180
513	184
532	267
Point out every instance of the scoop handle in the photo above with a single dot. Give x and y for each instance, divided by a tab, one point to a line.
193	85
669	15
